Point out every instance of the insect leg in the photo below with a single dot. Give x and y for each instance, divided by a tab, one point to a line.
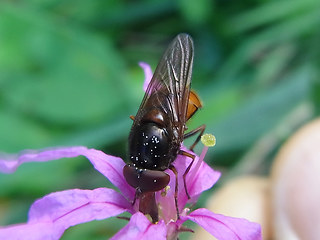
193	132
136	196
174	170
123	218
184	153
132	117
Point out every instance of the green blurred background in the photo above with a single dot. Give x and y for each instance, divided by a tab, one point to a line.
69	75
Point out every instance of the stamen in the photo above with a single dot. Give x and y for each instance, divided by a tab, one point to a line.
208	140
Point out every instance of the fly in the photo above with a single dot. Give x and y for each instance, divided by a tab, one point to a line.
159	126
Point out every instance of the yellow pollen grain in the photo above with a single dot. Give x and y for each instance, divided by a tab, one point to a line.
165	191
208	140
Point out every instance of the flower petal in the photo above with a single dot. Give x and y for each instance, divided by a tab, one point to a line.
51	215
75	206
223	227
10	162
110	166
200	178
147	74
141	228
37	231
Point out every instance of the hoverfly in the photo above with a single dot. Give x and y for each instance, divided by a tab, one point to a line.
159	125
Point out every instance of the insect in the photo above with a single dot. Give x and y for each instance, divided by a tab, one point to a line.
159	126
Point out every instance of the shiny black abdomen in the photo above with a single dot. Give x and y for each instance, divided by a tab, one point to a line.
150	147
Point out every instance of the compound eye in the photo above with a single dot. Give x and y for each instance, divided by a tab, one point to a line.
144	179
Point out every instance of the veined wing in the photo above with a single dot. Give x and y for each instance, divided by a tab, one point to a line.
171	81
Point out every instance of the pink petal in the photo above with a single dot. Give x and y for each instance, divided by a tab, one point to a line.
10	162
141	228
110	166
78	206
223	227
167	201
37	231
200	178
147	74
51	215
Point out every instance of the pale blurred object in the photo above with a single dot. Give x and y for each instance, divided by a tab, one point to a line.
244	197
288	205
296	186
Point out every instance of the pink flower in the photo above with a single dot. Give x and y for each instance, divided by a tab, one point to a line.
51	215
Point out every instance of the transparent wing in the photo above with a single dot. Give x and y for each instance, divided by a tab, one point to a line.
169	87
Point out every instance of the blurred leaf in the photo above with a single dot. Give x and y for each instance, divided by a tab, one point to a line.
55	75
17	133
315	87
33	180
98	136
269	12
96	230
196	11
254	116
130	13
274	64
68	75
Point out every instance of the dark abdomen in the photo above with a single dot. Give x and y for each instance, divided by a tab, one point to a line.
150	147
